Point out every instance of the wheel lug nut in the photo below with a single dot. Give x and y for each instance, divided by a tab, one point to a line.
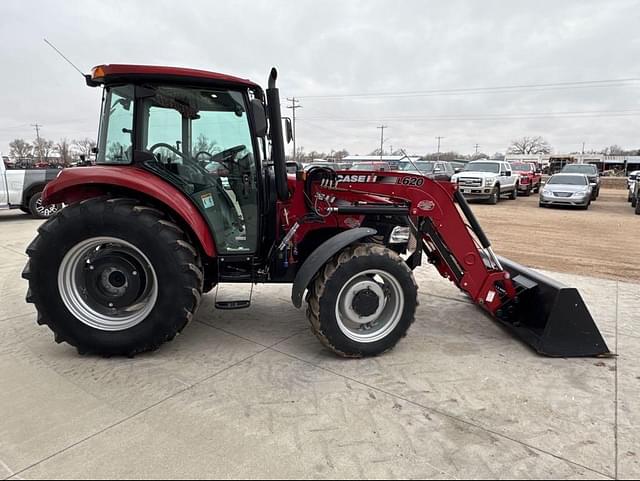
135	273
111	304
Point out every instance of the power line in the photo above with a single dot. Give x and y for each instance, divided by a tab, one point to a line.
294	106
439	139
491	117
381	127
37	127
622	82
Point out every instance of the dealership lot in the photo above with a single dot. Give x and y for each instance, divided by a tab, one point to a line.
252	394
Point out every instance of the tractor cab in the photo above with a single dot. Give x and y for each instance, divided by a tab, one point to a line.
202	132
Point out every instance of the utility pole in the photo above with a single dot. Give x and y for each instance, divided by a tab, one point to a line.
294	106
382	127
37	127
439	139
477	146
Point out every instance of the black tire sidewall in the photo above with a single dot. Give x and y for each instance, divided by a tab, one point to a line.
170	300
495	196
328	300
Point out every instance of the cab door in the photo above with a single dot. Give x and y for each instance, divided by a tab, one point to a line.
507	179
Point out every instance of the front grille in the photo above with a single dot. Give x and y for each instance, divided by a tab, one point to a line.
562	194
470	182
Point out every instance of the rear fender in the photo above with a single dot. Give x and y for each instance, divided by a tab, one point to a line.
76	184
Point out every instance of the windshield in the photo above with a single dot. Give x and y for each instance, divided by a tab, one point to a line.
580	169
568	180
521	167
483	167
424	167
116	126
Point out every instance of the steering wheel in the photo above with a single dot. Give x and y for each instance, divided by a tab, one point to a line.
227	154
167	146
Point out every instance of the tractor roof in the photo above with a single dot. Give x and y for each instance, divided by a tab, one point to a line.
112	73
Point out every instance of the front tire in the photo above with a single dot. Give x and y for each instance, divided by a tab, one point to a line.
514	193
113	277
495	196
637	208
363	301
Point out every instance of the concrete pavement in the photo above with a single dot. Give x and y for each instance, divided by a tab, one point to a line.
253	394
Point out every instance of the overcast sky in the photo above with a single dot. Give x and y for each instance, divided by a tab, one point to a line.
346	47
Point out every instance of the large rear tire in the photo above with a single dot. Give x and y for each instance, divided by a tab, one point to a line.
113	277
363	301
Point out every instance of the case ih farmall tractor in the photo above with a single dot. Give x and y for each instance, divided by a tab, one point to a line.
192	190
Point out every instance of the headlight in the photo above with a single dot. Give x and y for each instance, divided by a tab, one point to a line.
489	181
400	235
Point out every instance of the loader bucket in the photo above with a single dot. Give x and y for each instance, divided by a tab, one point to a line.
551	317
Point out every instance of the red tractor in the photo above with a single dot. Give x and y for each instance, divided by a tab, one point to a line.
192	190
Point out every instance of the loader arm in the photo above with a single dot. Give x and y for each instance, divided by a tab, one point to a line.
548	316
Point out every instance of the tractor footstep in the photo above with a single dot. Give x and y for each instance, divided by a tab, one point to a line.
233	296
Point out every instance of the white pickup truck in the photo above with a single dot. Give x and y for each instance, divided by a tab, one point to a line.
22	189
487	180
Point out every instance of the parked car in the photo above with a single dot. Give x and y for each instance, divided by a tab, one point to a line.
371	166
22	189
457	166
567	189
632	180
530	177
433	170
329	165
487	180
590	170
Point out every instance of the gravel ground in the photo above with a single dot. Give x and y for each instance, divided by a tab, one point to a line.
598	242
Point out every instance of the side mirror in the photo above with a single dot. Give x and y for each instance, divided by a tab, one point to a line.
507	173
288	129
457	170
259	117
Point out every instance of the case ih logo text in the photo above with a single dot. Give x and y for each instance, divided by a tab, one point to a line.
356	178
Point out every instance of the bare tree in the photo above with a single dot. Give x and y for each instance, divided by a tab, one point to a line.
19	149
445	156
498	156
43	148
529	145
204	145
85	146
64	150
615	150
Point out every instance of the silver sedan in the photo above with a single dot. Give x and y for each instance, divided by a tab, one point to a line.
566	189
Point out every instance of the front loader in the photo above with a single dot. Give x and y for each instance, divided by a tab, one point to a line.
191	192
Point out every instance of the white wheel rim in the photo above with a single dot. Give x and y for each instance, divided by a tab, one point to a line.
93	285
386	316
46	210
